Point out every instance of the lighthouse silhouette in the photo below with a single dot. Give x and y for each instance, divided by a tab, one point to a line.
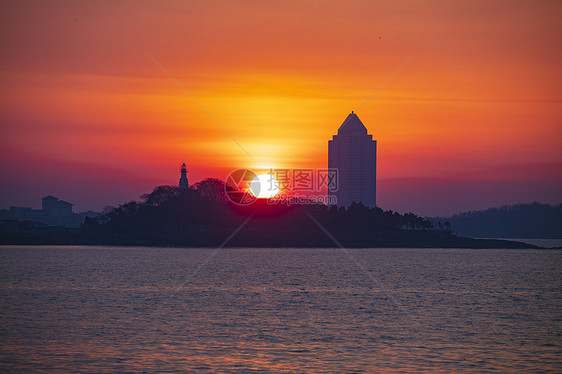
183	178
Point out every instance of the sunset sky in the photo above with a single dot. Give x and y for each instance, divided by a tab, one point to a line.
471	117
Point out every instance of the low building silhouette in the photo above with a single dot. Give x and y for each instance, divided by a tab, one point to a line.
55	208
54	212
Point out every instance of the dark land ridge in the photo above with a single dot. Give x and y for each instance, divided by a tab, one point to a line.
203	216
536	220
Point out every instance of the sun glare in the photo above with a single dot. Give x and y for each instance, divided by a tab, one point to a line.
264	186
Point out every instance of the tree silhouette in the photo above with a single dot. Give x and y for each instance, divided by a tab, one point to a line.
212	189
160	195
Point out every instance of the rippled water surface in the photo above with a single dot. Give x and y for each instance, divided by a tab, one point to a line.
115	309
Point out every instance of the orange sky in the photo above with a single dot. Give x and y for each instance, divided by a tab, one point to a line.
473	120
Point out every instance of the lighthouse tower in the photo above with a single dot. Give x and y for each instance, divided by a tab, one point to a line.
183	179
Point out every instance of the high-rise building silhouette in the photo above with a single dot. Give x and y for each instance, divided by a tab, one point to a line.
183	178
353	153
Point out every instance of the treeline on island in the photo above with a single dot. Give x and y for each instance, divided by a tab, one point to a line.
203	216
540	221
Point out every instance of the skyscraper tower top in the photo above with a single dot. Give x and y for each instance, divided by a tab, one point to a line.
183	178
353	152
352	125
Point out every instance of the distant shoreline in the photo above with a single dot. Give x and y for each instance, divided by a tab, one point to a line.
547	243
405	239
204	217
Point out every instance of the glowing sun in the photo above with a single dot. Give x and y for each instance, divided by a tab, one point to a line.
264	186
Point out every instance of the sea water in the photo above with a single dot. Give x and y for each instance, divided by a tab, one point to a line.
119	309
